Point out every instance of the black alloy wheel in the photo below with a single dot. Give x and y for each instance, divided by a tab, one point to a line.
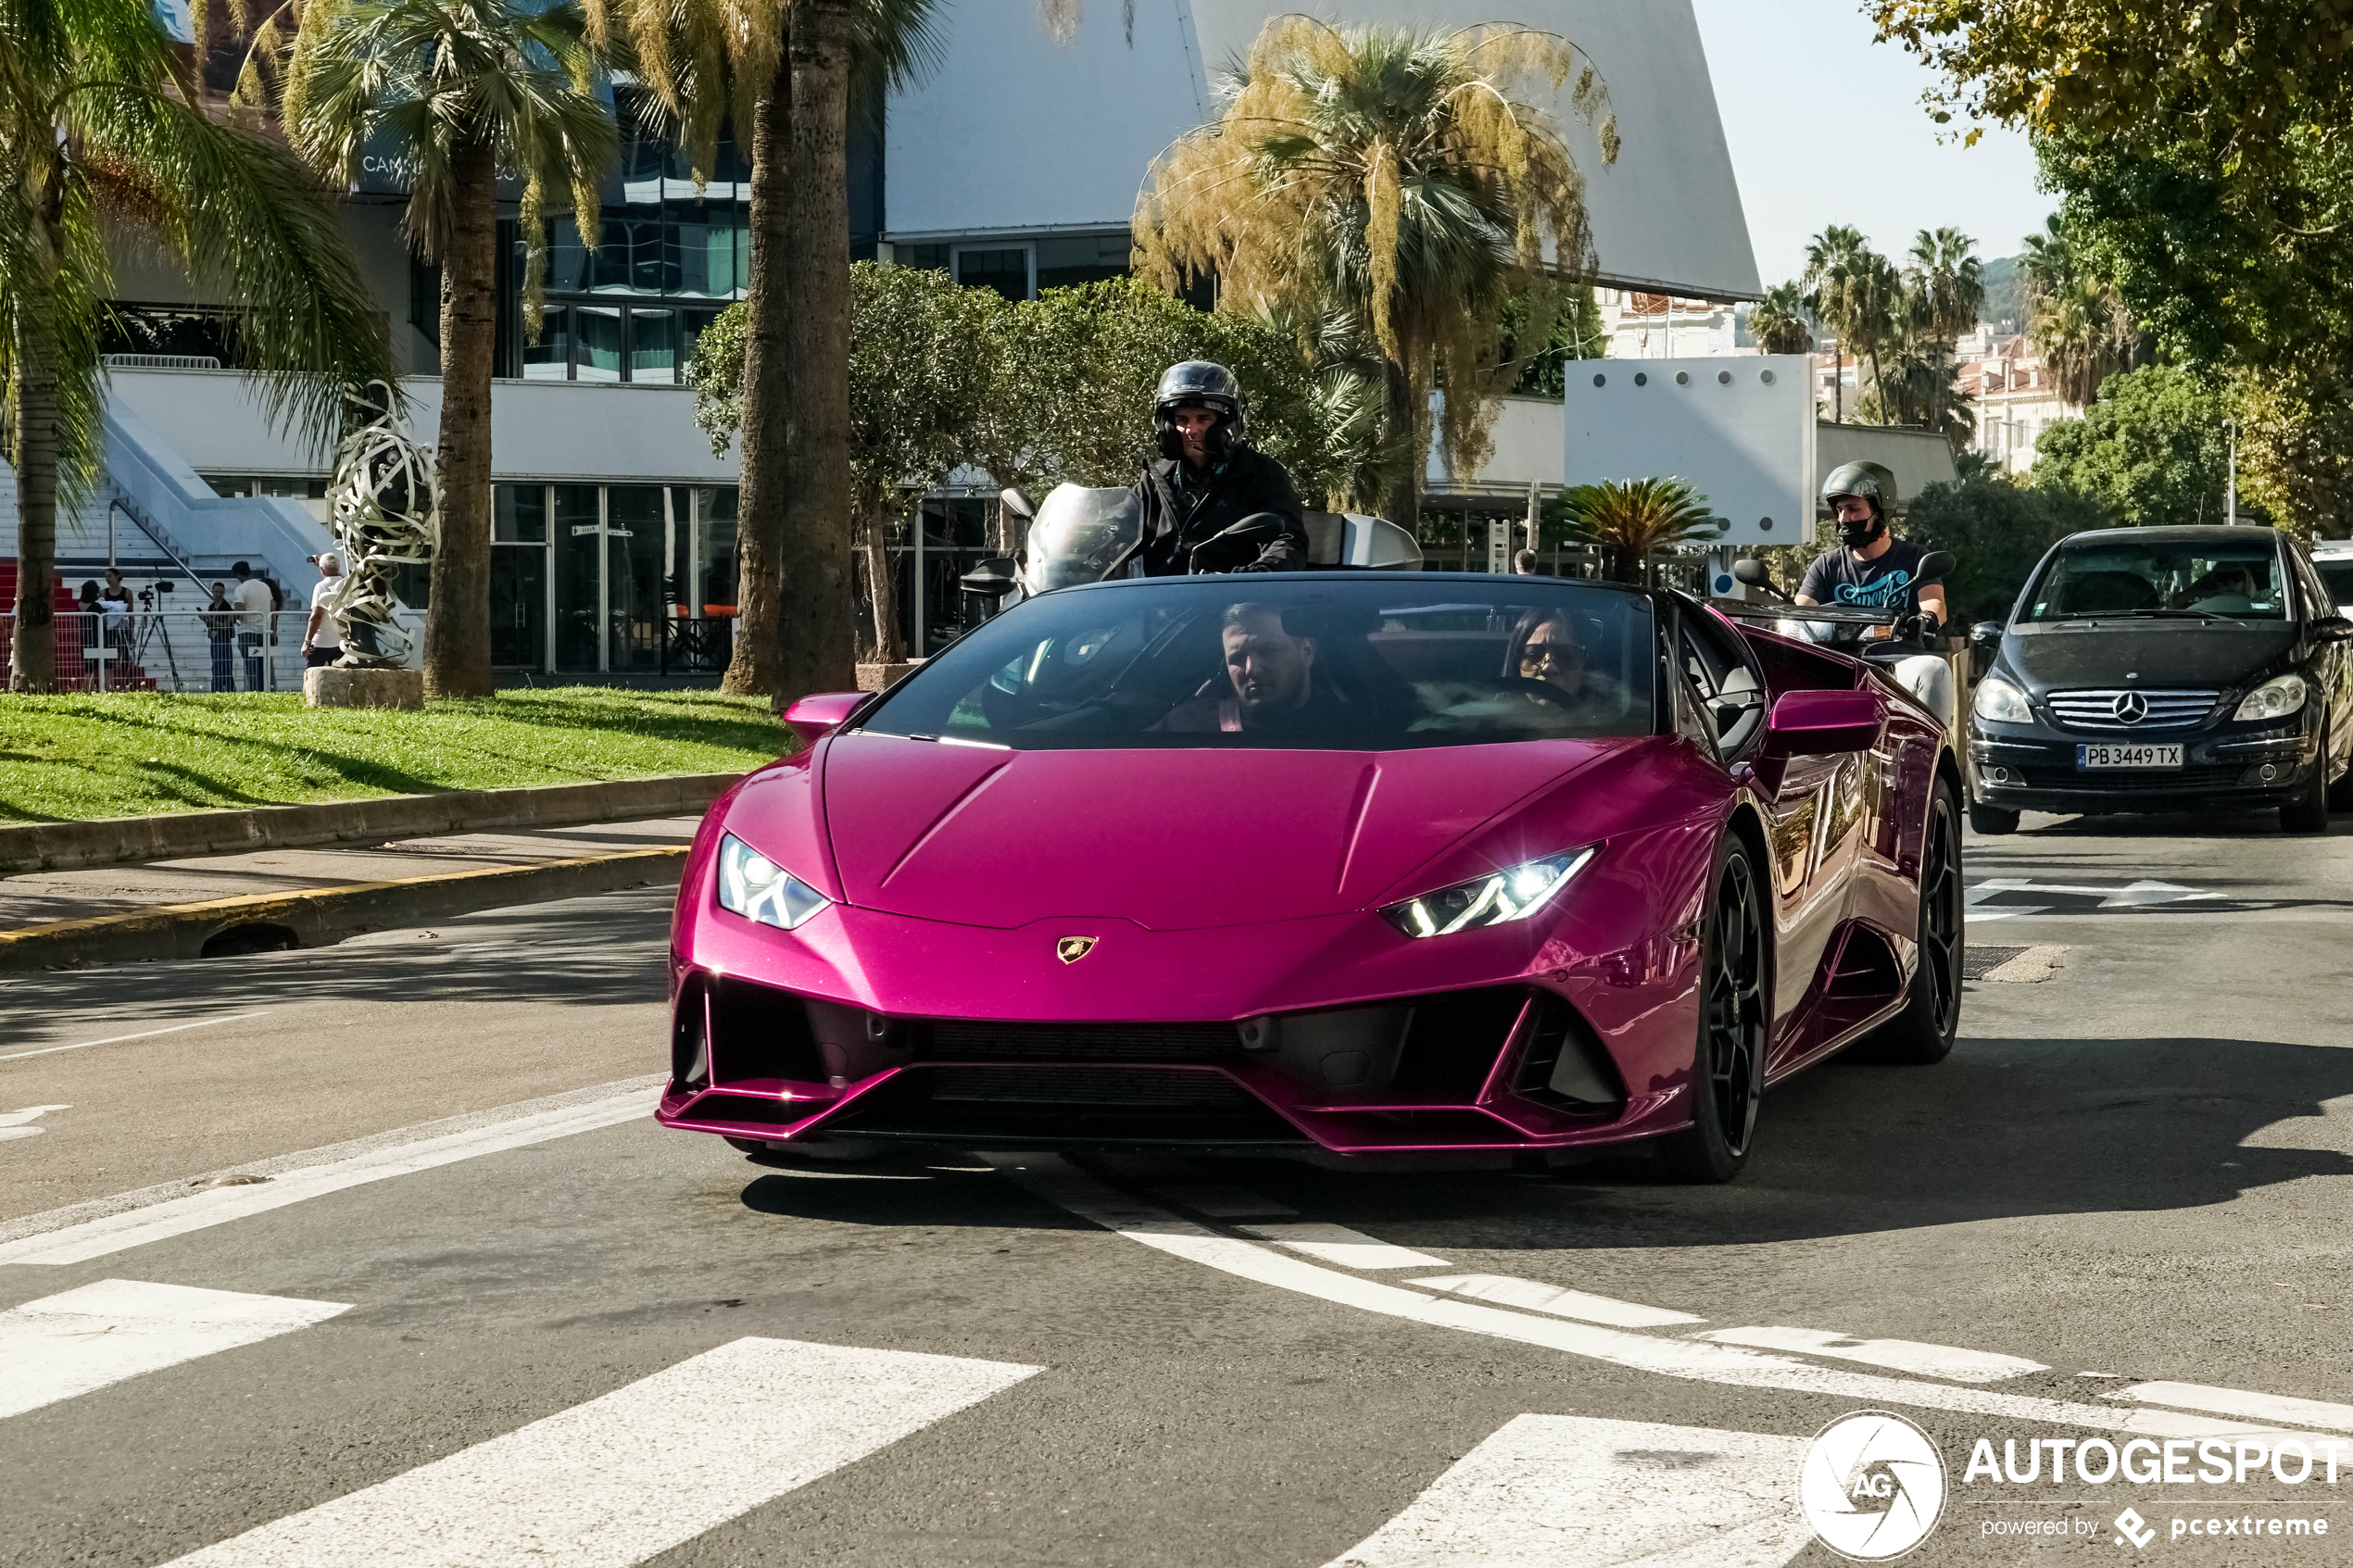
1728	1059
1922	1034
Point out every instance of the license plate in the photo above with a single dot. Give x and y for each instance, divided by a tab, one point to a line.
2094	757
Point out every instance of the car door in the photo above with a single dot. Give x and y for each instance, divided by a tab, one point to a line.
2330	666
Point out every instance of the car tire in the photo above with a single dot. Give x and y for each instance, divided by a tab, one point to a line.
1921	1035
2308	812
1728	1057
1991	819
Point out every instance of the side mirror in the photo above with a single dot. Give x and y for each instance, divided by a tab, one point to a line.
992	579
1018	503
2332	629
1935	564
1988	633
1822	723
1754	572
815	717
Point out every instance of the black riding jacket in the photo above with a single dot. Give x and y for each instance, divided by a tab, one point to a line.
1180	511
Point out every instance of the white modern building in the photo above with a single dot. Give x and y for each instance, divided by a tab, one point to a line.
1015	165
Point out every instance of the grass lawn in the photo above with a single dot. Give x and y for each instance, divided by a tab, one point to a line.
74	757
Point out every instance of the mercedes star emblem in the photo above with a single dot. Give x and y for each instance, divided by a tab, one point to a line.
2130	708
1070	950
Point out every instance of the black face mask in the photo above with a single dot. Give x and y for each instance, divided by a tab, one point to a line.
1860	536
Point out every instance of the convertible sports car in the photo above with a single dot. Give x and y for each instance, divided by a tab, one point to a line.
1324	863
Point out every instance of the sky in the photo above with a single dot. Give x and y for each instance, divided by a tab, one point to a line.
1826	127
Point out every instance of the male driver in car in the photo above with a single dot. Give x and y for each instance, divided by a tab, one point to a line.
1272	673
1209	478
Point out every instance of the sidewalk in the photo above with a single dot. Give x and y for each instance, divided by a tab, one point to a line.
41	897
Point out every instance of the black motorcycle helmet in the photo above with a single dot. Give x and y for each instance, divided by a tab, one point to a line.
1207	385
1867	482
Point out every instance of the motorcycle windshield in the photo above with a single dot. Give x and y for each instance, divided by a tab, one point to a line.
1079	535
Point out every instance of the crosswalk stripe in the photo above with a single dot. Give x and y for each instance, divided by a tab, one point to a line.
1898	1355
213	1205
612	1482
2238	1401
1337	1244
1537	1297
82	1339
1549	1490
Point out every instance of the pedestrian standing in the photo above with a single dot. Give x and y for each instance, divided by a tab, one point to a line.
321	636
220	627
252	600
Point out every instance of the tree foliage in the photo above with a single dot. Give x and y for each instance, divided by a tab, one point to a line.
1997	531
1779	321
1628	520
2151	451
1397	175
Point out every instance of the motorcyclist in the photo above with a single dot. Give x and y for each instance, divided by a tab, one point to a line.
1208	479
1871	568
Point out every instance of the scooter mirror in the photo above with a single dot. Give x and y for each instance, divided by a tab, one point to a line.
1935	564
1018	503
1754	572
1985	633
992	579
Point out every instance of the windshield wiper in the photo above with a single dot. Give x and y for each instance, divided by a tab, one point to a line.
2130	614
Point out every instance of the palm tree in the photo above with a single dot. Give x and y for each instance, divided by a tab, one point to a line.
1879	308
458	92
793	75
103	126
1629	520
1946	284
1777	321
2080	325
1395	175
1836	281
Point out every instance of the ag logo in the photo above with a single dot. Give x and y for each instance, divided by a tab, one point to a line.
1070	950
1872	1485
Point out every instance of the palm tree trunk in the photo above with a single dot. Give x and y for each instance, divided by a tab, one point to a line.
819	649
882	587
766	442
1838	384
457	612
1404	427
32	655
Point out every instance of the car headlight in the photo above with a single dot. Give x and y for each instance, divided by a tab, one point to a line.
2002	703
1497	898
2275	698
754	886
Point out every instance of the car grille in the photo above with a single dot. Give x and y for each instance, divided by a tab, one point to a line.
2096	709
961	1039
1085	1086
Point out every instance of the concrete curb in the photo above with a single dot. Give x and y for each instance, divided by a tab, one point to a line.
33	846
320	916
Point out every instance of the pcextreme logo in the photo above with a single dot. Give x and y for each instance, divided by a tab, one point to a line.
1872	1485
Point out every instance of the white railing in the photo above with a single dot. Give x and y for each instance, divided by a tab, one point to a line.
162	362
173	651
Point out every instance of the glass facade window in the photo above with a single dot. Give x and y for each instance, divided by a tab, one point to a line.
550	357
600	355
1005	270
653	346
519	514
716	549
931	258
579	572
622	577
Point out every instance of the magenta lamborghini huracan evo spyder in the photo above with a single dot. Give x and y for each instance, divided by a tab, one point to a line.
1324	863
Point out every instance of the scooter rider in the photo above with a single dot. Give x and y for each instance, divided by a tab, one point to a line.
1208	480
1872	569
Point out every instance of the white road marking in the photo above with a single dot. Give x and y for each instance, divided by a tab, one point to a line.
612	1482
1550	1490
82	1339
1225	1202
143	1035
1338	1244
1537	1297
15	1124
1897	1355
2136	894
213	1205
2238	1401
1065	1186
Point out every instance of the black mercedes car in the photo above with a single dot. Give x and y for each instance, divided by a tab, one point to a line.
2165	670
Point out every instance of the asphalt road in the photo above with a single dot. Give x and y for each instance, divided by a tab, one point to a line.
489	1314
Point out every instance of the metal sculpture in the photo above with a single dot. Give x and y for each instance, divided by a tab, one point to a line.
387	501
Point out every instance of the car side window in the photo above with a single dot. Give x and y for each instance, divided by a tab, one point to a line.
2320	603
1732	697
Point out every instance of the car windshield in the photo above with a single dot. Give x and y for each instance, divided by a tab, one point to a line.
1377	664
2338	575
2110	578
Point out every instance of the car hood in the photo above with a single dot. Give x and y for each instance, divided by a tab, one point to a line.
1170	839
2151	654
